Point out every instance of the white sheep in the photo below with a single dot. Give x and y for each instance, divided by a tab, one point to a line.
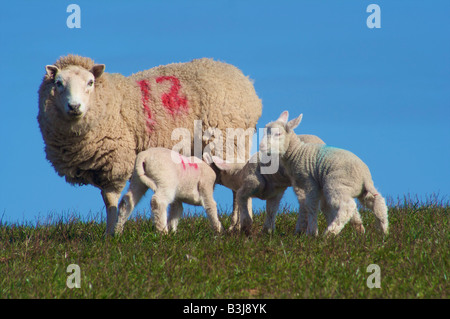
175	179
248	181
94	123
322	174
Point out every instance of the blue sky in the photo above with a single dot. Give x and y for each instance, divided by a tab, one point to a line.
383	94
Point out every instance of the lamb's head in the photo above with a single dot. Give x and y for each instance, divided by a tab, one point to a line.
277	134
225	172
73	88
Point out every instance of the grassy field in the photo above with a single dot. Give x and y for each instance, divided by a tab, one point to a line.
194	263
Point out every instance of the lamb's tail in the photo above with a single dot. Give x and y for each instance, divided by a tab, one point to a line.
373	200
139	172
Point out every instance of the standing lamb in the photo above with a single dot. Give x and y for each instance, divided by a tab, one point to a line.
94	123
320	173
248	181
175	179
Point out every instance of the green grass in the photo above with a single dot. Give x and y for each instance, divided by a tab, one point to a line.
195	263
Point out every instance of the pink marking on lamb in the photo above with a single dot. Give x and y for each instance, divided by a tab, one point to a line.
183	159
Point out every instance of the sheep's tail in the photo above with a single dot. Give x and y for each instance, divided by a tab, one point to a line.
373	200
139	171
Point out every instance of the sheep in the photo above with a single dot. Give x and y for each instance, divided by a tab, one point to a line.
175	179
248	181
94	123
320	173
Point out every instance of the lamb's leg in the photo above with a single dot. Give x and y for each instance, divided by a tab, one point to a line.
302	221
235	221
211	210
159	205
344	208
135	192
376	203
111	199
235	225
309	204
175	211
206	189
243	196
328	212
272	205
356	222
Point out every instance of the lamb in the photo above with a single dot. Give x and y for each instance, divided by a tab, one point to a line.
94	123
175	179
320	173
248	181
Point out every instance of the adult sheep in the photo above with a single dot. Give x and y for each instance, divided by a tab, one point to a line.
94	123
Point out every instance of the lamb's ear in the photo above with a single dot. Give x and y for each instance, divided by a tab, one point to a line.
97	70
284	117
295	122
207	158
51	70
221	164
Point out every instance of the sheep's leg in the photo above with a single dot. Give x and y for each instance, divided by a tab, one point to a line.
272	205
344	208
135	192
111	199
159	205
175	211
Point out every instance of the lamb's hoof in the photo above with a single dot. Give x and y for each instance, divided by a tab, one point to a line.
246	228
300	232
220	230
360	229
118	230
234	228
268	230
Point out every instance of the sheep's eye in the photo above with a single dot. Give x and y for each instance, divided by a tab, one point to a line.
90	82
59	84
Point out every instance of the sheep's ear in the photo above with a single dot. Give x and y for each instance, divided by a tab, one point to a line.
295	122
284	117
220	163
97	70
51	70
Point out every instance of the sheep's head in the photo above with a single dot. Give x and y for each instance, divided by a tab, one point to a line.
276	136
74	86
